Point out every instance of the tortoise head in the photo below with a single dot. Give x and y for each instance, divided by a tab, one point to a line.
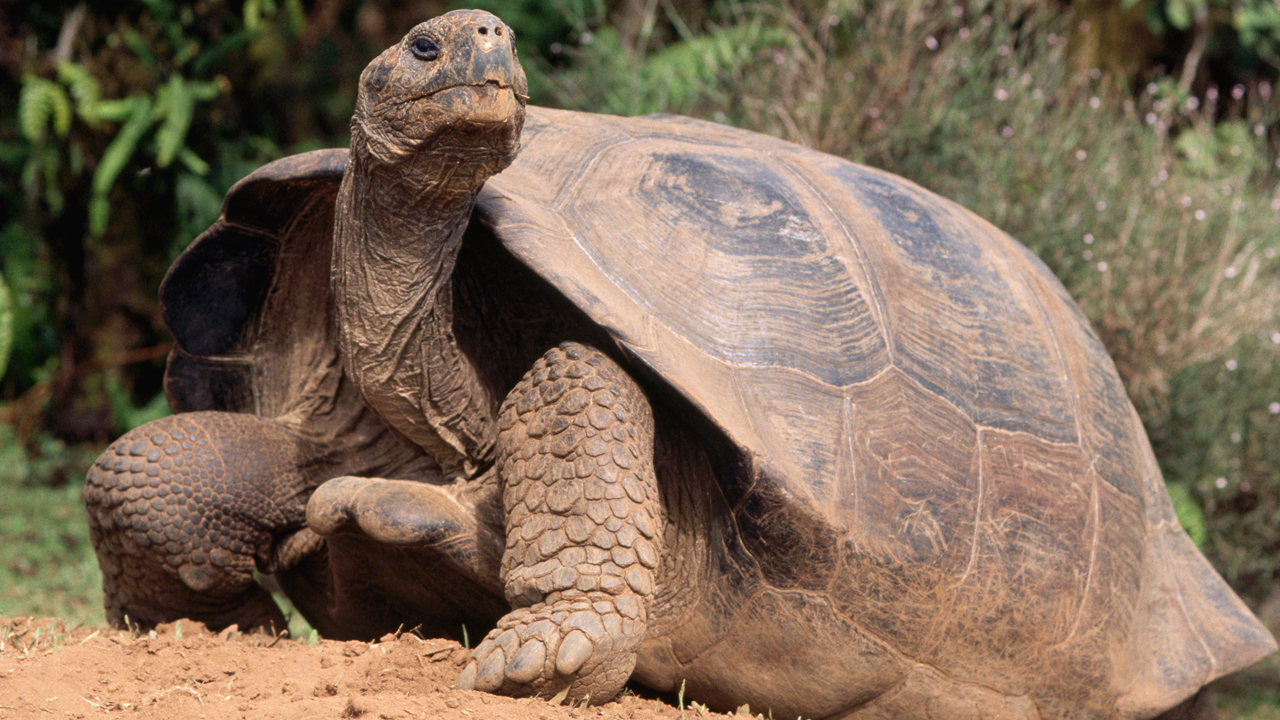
451	91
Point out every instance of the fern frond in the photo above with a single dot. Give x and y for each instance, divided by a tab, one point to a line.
114	160
84	88
178	105
192	161
40	102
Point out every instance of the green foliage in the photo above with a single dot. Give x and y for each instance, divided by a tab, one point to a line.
113	161
1219	440
1222	150
6	324
115	168
701	73
256	12
47	564
1190	513
1257	23
40	103
1250	27
172	107
128	416
86	91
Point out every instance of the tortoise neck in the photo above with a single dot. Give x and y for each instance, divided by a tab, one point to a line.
397	234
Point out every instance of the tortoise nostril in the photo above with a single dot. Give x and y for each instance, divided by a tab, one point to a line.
484	30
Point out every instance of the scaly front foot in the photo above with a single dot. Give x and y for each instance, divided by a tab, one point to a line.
584	531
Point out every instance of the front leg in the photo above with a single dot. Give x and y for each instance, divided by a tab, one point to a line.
584	531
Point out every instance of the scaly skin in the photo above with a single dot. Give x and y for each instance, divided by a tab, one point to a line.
584	531
182	510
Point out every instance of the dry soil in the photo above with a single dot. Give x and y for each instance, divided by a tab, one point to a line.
50	670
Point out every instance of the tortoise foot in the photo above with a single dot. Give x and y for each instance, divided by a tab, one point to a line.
182	511
584	530
416	517
584	644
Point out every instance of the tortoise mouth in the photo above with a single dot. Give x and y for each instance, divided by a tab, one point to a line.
479	88
488	102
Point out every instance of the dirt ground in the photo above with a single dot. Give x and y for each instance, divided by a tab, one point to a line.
183	671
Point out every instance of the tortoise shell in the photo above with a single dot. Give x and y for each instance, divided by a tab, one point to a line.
924	444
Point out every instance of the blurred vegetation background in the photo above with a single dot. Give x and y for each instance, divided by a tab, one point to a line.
1133	144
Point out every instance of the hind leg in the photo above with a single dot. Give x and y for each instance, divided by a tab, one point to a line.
584	531
183	509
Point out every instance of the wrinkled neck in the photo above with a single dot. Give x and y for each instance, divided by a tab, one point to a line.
398	228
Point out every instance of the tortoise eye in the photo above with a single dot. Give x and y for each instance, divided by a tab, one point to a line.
425	49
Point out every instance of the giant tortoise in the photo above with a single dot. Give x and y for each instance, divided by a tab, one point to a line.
661	400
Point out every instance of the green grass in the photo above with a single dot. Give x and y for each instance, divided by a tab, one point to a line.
47	564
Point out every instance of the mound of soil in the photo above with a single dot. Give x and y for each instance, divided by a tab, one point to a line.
48	669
